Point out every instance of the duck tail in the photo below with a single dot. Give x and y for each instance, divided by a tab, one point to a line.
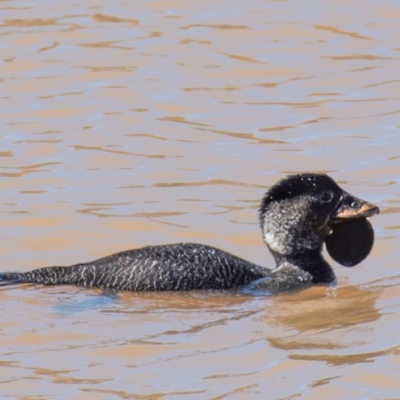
11	278
44	276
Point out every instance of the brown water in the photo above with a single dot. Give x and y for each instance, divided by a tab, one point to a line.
146	122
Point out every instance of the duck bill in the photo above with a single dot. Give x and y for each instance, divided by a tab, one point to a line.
351	207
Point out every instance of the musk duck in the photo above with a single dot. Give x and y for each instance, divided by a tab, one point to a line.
297	216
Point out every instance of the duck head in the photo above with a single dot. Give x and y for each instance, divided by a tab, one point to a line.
300	212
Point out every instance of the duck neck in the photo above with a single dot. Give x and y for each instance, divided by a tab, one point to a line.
310	261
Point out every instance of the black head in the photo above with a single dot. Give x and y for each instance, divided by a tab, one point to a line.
300	211
321	189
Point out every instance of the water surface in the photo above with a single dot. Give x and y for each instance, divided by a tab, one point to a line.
128	123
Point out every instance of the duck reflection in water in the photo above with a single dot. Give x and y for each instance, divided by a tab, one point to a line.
336	328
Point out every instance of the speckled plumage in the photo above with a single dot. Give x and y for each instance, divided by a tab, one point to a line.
180	266
295	220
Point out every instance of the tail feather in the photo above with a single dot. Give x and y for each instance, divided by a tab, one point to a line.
11	278
44	276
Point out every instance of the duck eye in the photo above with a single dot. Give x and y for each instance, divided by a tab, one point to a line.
326	197
355	204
